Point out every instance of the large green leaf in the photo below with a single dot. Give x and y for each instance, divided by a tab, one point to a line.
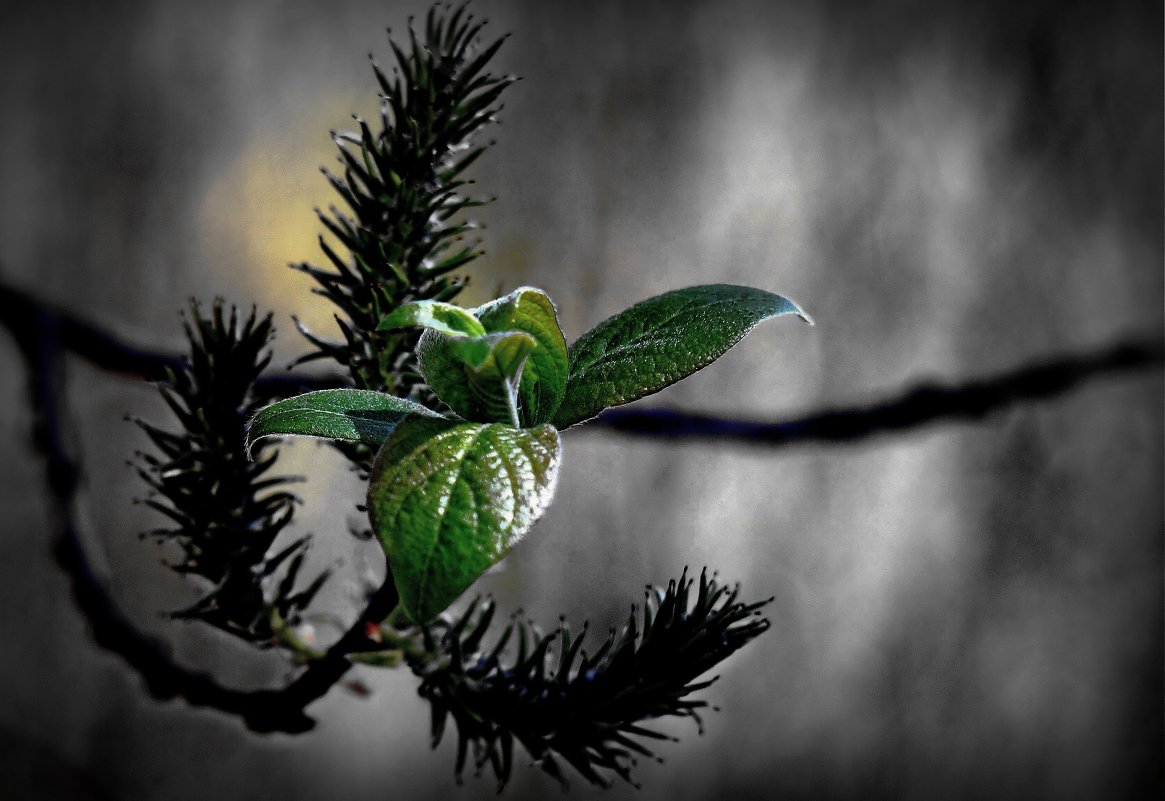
657	342
544	378
448	499
355	415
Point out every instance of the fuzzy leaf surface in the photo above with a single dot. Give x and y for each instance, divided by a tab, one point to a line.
449	499
543	377
353	415
543	382
476	376
657	342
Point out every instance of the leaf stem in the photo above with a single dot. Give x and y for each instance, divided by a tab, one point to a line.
512	402
286	636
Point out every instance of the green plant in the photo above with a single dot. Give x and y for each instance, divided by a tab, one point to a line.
453	415
451	493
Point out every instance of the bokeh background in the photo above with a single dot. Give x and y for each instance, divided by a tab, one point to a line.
964	610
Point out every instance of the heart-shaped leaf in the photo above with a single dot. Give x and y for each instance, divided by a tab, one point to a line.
449	499
657	342
354	415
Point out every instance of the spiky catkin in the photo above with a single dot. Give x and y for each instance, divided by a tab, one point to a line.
565	705
225	509
402	187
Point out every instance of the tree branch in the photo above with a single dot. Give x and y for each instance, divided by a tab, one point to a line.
45	336
926	403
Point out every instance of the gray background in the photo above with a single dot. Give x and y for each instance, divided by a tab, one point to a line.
962	611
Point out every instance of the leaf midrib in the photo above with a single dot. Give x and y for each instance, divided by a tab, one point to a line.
638	342
632	342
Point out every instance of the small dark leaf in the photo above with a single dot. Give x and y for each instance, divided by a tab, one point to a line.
351	415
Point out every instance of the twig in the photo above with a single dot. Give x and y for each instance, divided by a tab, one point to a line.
926	403
21	312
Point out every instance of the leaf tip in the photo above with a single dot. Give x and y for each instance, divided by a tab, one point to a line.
249	441
797	310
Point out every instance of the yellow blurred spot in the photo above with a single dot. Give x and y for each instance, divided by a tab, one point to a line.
257	217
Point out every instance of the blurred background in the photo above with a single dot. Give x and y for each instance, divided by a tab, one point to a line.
952	190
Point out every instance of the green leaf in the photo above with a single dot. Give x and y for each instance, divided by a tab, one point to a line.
433	314
449	499
544	378
477	377
657	342
354	415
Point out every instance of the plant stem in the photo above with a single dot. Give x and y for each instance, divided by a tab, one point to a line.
286	636
512	403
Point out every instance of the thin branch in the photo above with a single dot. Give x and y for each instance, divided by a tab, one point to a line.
921	405
21	312
924	404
